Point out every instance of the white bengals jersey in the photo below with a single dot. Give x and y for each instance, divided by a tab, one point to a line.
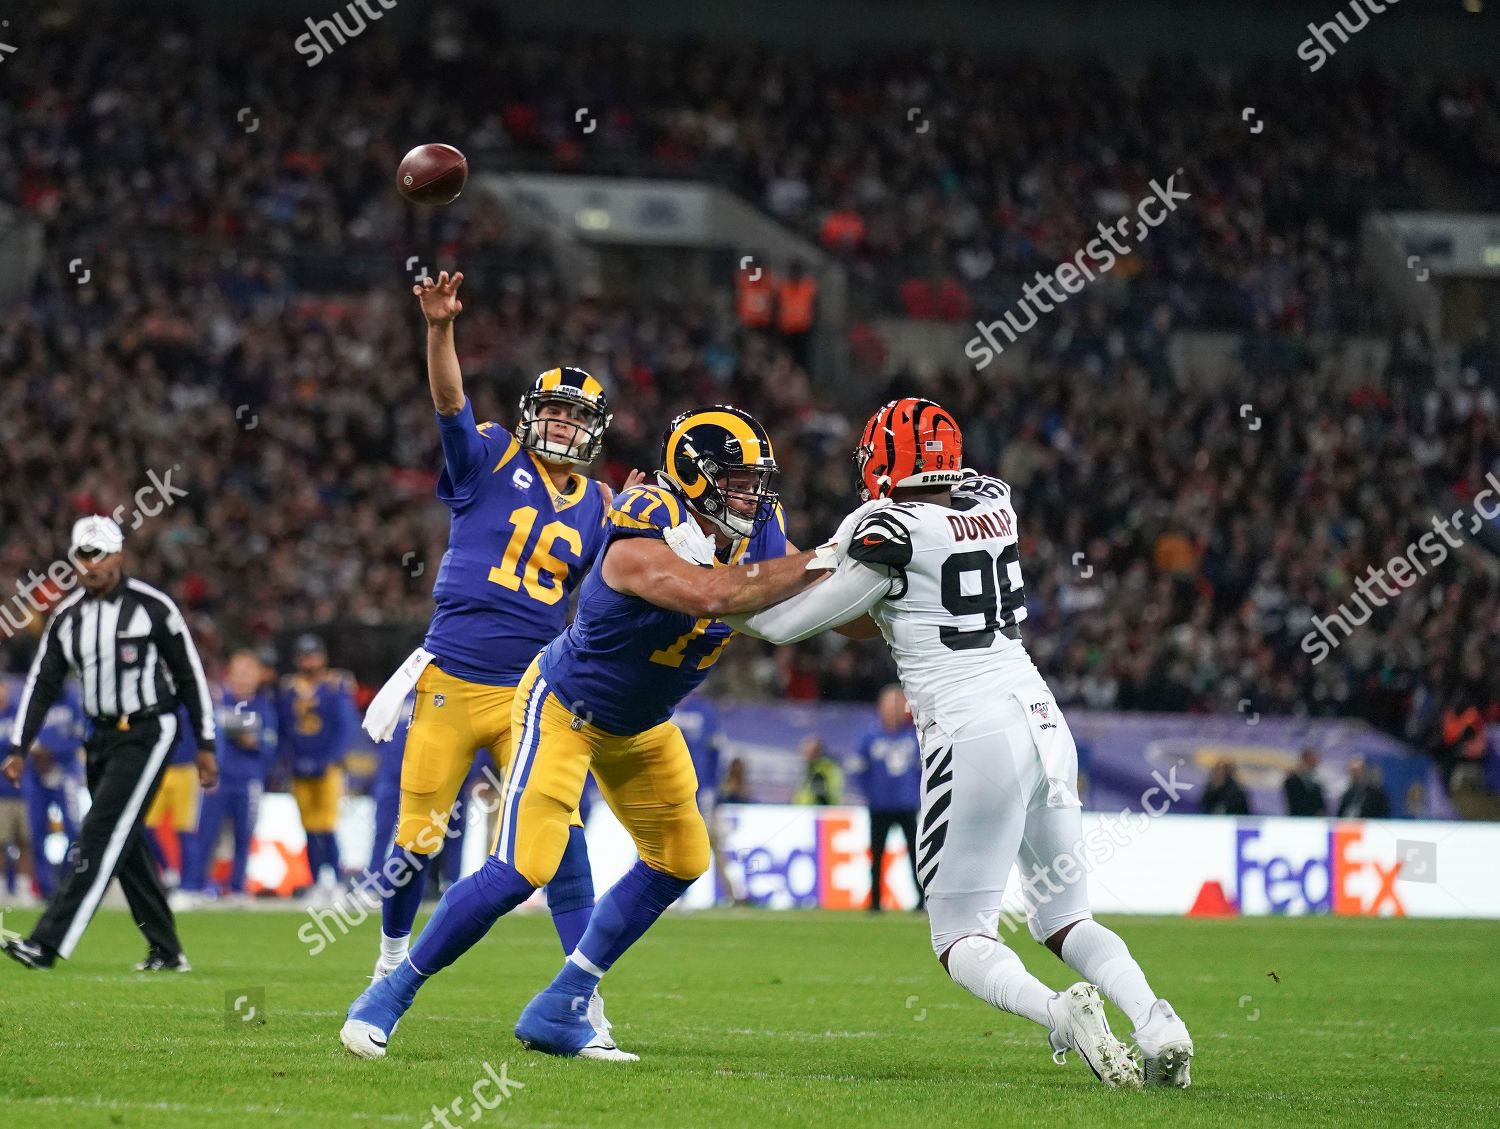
953	613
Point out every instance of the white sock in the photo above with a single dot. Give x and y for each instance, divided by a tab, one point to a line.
1101	958
996	975
393	949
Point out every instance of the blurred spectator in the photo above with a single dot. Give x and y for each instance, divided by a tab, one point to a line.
822	778
755	297
1465	745
796	311
889	772
1223	794
1304	795
1365	797
736	786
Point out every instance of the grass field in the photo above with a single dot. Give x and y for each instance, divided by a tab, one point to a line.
758	1020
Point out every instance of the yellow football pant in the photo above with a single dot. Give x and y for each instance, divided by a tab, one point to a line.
318	800
451	721
178	797
647	780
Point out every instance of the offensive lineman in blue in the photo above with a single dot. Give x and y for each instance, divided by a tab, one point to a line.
526	526
707	542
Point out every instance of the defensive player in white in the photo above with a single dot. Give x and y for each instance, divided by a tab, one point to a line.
933	561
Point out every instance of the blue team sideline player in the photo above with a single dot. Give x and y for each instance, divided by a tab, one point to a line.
699	722
315	724
14	842
709	541
175	806
386	787
890	773
247	745
526	526
52	779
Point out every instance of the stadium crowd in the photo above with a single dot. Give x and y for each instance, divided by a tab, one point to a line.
283	389
943	180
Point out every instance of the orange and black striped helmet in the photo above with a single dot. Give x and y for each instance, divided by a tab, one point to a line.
909	442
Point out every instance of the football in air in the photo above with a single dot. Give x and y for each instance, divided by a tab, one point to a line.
432	175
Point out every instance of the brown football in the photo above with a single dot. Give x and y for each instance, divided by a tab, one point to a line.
432	175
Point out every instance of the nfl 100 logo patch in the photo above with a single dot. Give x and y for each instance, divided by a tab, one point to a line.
1039	709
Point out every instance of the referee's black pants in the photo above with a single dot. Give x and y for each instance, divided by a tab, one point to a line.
125	768
881	823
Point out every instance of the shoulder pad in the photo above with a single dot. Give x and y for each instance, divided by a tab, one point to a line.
882	538
983	486
645	511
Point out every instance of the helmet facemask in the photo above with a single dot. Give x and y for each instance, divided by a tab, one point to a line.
738	500
566	438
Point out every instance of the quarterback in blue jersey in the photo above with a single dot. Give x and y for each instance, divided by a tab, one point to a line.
526	526
707	542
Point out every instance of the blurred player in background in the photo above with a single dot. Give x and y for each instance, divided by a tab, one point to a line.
173	814
15	843
385	789
709	540
890	772
315	724
699	722
247	746
935	561
52	780
526	526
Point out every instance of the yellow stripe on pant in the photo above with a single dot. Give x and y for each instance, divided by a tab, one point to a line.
452	719
647	780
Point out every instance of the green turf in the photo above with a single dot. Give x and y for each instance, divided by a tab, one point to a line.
758	1020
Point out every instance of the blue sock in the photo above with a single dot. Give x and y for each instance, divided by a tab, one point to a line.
570	894
466	912
314	855
626	911
398	909
576	981
330	852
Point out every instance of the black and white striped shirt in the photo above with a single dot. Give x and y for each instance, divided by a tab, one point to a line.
132	654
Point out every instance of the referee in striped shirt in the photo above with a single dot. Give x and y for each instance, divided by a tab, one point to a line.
130	649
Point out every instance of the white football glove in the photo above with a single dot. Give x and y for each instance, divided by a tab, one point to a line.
690	543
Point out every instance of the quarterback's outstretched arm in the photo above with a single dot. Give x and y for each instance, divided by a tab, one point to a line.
440	305
651	570
851	591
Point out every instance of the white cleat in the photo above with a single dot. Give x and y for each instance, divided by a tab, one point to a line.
363	1039
1079	1025
603	1047
596	1013
1166	1047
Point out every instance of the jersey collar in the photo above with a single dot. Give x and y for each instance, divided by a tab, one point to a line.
577	486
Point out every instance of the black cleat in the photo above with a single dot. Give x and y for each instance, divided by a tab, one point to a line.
27	954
